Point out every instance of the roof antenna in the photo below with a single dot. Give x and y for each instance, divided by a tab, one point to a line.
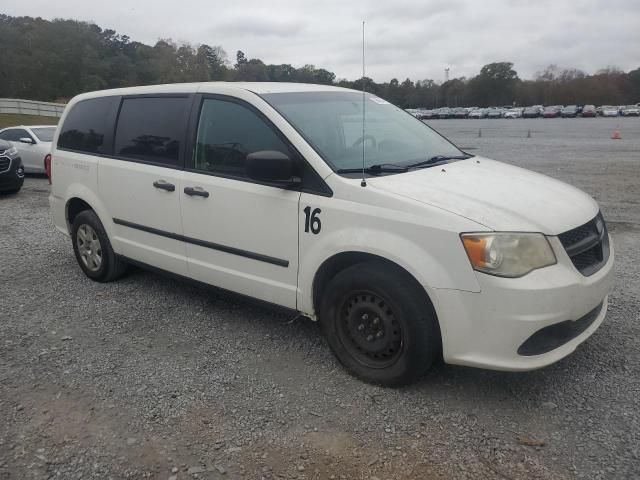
363	183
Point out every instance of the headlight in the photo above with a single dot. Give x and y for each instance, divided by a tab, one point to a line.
11	151
508	254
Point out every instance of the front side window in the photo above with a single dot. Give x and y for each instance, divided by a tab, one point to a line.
87	125
151	129
14	134
332	123
227	133
44	134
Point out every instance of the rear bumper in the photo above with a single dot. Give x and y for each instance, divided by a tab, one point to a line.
488	329
58	214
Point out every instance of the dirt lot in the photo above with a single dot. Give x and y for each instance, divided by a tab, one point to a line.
151	378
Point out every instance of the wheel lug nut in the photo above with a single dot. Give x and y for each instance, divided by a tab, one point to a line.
376	321
379	334
361	327
365	316
369	338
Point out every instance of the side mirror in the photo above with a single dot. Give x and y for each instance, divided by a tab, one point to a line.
272	167
26	140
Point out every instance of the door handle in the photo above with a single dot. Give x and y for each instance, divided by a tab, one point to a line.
164	185
196	191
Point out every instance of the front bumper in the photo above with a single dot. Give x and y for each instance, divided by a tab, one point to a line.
13	177
486	329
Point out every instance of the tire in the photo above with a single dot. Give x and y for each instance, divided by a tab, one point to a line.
93	249
368	298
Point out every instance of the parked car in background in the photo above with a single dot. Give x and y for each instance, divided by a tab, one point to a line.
444	113
419	113
33	144
599	110
631	111
570	111
609	111
460	113
513	113
427	114
478	113
11	169
532	112
589	111
495	113
551	112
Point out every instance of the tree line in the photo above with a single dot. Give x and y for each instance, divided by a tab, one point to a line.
55	60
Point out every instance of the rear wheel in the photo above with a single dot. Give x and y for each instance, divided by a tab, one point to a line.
93	250
380	324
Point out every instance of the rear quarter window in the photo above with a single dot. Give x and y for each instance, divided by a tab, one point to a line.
88	126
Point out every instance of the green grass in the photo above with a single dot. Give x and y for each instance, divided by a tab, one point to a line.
11	120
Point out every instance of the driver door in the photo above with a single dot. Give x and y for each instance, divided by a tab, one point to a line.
240	234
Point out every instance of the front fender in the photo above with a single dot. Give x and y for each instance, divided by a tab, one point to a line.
429	263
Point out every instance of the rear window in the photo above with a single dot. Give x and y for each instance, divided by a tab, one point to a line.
151	129
44	134
87	125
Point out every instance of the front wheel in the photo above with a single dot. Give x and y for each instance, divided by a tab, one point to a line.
380	324
93	250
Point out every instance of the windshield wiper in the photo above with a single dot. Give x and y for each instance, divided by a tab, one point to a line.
436	159
395	168
376	169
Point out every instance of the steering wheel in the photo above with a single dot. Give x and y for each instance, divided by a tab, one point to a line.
364	138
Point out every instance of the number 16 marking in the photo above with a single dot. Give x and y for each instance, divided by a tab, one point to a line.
312	220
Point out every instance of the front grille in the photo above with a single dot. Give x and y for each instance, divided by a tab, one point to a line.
5	164
587	245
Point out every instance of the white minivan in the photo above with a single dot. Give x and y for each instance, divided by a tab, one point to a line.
259	189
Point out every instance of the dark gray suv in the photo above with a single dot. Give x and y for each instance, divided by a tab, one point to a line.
11	169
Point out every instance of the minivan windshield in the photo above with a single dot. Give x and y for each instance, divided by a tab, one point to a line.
332	124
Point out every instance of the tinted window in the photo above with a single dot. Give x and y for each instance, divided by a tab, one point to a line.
227	133
87	125
14	134
44	134
151	129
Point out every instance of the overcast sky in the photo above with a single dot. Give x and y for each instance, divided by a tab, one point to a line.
404	38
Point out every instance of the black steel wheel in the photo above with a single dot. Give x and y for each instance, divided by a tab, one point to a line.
380	323
369	329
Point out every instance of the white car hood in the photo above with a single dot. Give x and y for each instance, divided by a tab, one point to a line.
499	196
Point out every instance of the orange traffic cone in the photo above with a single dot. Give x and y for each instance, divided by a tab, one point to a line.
616	134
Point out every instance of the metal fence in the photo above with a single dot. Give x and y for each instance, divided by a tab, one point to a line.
31	107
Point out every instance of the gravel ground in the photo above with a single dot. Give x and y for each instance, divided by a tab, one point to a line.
151	378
